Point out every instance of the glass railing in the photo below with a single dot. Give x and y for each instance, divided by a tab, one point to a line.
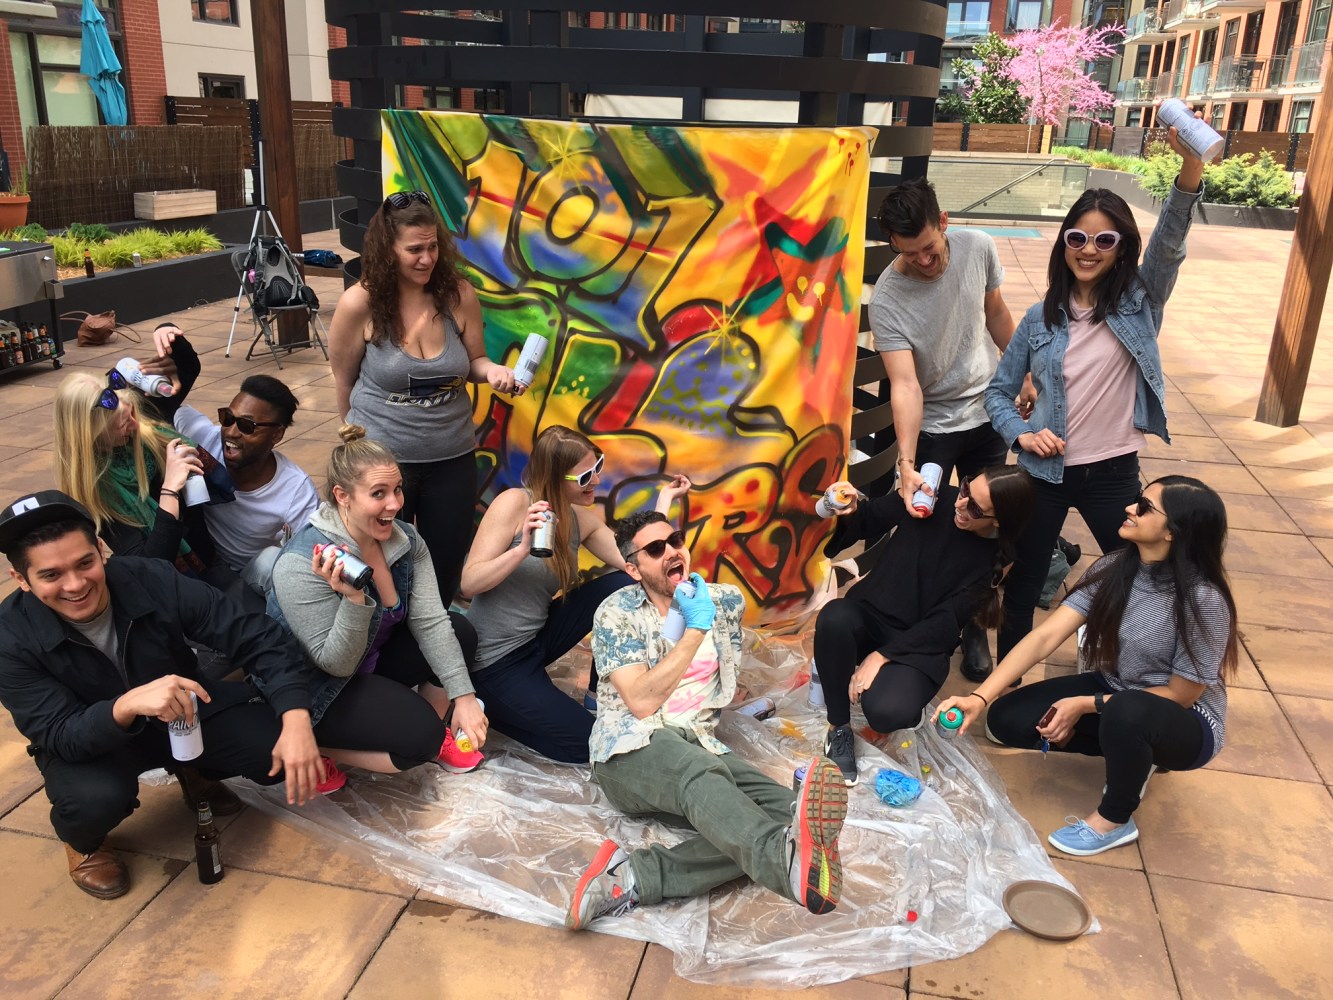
1307	64
1184	10
966	29
1277	71
1138	89
1007	188
1241	75
1199	79
1164	86
1148	22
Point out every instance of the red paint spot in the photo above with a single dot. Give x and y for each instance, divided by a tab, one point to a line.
911	916
752	485
728	498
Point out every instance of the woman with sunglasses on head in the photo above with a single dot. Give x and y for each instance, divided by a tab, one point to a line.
404	342
887	642
522	626
1091	349
1161	642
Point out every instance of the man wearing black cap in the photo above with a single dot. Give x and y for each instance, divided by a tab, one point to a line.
94	661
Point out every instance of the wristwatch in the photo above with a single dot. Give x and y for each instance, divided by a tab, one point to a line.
1098	700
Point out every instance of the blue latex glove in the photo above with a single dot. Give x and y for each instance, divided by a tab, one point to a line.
697	610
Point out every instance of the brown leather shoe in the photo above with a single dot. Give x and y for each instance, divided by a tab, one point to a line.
99	874
195	788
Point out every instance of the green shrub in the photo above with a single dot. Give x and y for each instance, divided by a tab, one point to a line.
192	241
1237	180
1102	159
33	232
1160	173
68	251
93	232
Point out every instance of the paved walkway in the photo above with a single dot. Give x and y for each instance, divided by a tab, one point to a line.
1227	893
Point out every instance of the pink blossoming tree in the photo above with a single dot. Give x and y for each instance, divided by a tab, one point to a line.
1050	70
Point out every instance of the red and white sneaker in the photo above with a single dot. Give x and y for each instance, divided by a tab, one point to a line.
458	761
333	778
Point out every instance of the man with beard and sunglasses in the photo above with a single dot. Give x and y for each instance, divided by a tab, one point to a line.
654	751
274	496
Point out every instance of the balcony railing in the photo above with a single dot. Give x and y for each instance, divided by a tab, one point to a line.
1139	90
1164	86
1199	79
1307	62
1147	23
966	29
1184	13
1241	75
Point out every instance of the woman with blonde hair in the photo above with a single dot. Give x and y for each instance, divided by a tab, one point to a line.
374	640
521	625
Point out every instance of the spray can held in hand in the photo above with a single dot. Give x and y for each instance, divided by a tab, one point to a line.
949	723
543	536
461	738
836	499
355	572
1197	135
674	626
922	502
534	352
149	385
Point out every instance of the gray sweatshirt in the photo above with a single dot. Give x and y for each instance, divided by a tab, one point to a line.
335	633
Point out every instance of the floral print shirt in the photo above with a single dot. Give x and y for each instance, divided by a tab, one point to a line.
627	630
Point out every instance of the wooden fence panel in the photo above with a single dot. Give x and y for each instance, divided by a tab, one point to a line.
1005	138
948	136
89	173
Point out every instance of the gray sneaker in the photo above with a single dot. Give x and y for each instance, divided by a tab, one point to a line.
813	865
840	747
606	889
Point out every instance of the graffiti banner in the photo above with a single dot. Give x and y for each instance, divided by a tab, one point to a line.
700	289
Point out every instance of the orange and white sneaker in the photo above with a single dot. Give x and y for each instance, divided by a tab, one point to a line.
458	761
333	778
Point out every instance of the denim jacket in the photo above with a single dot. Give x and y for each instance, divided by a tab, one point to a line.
1136	322
335	633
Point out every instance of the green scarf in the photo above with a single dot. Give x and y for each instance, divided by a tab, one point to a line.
121	490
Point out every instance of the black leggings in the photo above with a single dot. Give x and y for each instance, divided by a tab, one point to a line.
380	711
1136	729
844	634
441	498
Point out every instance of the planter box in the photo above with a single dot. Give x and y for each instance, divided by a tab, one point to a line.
153	205
1127	186
157	289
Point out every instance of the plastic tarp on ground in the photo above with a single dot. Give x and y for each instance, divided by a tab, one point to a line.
513	837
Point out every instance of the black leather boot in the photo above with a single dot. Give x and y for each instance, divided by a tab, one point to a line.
977	662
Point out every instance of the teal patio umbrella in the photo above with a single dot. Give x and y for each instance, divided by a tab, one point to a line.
99	64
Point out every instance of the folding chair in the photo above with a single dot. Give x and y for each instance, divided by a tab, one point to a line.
271	284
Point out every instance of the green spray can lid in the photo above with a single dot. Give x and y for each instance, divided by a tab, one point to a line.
950	719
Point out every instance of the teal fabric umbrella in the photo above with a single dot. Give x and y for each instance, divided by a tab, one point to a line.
99	64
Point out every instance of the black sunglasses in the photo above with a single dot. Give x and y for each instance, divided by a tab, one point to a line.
243	424
655	548
108	400
973	508
401	199
1142	505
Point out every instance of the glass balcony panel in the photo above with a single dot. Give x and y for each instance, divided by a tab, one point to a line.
1199	79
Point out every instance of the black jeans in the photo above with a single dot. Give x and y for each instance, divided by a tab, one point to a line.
441	498
380	711
1100	492
1136	729
968	451
845	632
521	699
90	798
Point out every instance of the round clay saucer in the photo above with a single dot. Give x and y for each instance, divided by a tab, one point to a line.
1046	910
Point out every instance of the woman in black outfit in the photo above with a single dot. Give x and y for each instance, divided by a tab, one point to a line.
887	643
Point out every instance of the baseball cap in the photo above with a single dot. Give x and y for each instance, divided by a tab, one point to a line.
33	511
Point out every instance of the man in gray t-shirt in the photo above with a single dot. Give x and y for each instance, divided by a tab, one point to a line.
940	323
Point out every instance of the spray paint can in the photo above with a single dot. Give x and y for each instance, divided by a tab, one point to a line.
355	572
922	502
136	259
674	626
835	500
461	738
543	536
1197	135
814	697
534	352
949	723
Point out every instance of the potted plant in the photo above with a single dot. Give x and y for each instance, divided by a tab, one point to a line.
14	203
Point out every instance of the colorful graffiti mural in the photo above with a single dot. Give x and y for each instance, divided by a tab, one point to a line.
700	288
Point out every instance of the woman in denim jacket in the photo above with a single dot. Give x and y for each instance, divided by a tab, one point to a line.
374	643
1091	347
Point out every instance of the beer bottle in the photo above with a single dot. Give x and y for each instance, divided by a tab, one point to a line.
207	846
88	263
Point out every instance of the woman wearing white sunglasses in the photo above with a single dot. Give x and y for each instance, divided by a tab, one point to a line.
522	627
1091	347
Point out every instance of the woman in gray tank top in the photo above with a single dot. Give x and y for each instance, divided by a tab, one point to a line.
521	626
404	343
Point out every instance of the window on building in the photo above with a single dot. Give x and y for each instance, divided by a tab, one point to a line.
214	11
212	85
1025	14
1134	118
1300	116
1236	120
51	90
1218	117
439	98
1208	46
1317	29
1230	34
1288	16
969	17
1254	27
1143	61
1269	116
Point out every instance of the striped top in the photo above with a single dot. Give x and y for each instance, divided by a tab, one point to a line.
1151	650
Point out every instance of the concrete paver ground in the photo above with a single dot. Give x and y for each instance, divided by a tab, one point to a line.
1225	895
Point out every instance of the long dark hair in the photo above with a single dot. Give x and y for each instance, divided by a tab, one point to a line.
1197	520
379	266
1123	275
1012	497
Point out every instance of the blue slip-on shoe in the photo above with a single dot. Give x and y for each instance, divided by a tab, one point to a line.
1080	839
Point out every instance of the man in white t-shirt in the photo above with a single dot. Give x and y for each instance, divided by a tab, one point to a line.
274	496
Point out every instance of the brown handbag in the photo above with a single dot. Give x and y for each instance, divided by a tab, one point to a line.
96	329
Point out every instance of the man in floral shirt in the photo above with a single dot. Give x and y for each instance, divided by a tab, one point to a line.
654	752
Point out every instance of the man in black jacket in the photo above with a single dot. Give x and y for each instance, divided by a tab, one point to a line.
95	661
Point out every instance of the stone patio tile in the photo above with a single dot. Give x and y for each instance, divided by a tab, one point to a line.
1226	405
1223	478
656	981
49	929
1276	554
436	950
1263	599
34	428
1129	952
1292	660
1184	420
1230	942
1246	431
19	776
251	937
1189	448
1312	719
1314	517
262	843
1204	825
1045	788
1305	484
1247	675
1261	741
1324	545
23	396
1309	454
1251	512
310	452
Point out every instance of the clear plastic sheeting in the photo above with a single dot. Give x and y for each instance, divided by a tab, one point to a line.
513	837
